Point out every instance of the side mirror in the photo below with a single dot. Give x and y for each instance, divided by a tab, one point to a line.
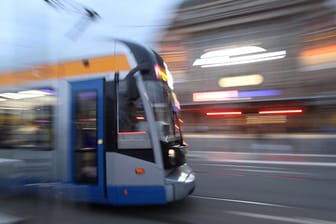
132	90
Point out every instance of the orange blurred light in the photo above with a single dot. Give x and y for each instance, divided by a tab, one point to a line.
320	50
140	171
132	133
281	111
223	113
140	118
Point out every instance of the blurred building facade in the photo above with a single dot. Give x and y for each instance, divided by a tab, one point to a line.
251	55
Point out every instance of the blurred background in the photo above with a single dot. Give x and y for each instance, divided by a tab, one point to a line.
257	86
231	60
254	66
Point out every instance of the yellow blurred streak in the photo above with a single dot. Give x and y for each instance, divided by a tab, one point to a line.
273	119
68	69
244	80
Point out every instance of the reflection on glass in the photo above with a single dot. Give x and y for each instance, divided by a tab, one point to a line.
165	108
86	137
132	117
26	119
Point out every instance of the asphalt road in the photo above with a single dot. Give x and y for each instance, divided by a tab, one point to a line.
231	188
266	143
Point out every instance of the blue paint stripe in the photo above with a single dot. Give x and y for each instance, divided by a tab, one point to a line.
121	195
137	195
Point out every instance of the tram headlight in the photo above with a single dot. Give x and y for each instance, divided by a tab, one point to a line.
171	154
172	157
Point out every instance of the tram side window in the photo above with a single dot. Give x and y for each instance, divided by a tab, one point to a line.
26	120
132	116
133	128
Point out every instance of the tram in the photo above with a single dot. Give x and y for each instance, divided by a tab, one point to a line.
101	128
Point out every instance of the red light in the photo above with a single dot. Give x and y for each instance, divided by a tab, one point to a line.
214	96
281	111
223	113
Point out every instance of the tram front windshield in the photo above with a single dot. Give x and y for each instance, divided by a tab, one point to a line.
166	109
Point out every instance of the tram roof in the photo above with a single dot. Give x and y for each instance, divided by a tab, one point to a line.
82	58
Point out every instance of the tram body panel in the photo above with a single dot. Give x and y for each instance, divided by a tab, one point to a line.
134	172
131	170
62	135
134	181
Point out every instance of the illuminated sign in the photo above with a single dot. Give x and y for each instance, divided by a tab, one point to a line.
214	96
259	93
232	95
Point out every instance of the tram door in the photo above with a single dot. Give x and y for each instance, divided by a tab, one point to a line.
87	155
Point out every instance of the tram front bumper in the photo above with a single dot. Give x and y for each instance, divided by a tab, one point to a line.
180	183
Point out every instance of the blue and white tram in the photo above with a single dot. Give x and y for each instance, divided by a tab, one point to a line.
100	128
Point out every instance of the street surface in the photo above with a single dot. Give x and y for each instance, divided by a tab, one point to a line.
279	184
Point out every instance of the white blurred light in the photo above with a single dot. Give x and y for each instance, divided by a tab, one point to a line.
235	56
34	92
233	51
244	61
22	95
